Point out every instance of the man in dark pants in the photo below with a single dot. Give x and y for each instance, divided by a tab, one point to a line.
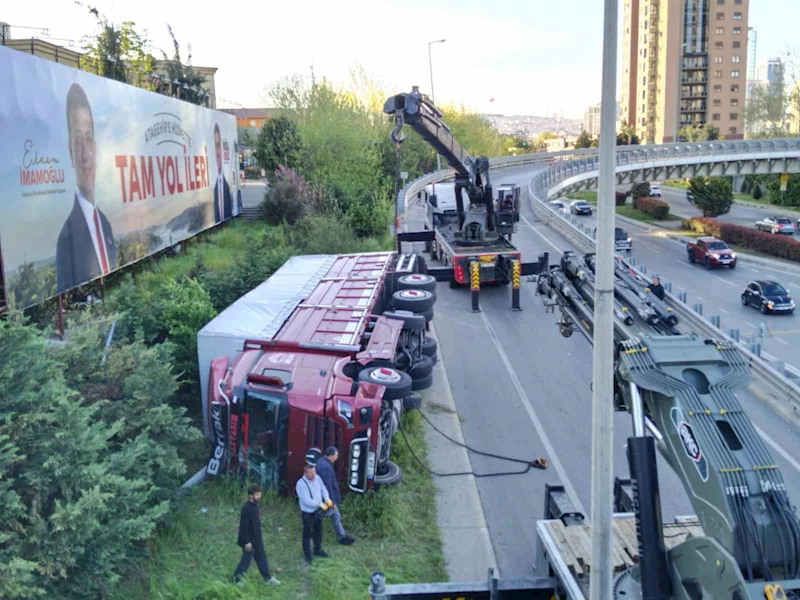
656	288
250	538
326	471
312	494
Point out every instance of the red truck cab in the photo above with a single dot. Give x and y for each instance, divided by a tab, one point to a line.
711	252
326	377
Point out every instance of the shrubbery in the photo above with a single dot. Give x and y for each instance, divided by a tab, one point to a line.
652	206
761	241
639	190
620	198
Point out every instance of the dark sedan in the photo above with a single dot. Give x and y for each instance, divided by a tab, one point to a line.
580	207
768	296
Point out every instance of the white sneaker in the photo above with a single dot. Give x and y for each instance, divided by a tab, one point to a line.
273	581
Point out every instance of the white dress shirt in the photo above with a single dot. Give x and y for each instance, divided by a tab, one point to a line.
221	196
88	212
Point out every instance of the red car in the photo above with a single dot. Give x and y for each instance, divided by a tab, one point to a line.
711	252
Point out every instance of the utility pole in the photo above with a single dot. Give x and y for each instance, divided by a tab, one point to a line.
433	99
602	509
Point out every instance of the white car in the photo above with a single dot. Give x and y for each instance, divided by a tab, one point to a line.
655	190
559	206
776	225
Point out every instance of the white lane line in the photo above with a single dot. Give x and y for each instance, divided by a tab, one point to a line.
722	310
777	339
683	264
774	445
543	236
537	424
725	281
749	323
700	298
795	285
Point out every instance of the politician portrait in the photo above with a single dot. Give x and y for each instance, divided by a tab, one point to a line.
223	206
85	247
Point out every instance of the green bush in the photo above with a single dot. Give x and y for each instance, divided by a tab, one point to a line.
757	193
761	241
620	198
653	207
712	195
639	190
287	199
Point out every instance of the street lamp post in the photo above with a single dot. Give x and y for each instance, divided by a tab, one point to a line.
433	99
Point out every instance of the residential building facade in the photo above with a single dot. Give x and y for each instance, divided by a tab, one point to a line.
591	120
684	64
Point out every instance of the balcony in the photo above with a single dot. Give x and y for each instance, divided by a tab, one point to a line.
696	108
692	94
695	64
693	80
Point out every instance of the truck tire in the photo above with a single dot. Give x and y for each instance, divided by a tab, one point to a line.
422	384
401	361
398	384
691	257
421	369
411	321
391	476
417	281
412	401
429	346
414	300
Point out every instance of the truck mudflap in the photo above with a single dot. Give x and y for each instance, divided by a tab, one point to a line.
513	588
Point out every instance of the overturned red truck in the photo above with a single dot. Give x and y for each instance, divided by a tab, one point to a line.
327	351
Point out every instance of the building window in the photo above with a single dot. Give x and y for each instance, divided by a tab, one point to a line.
737	44
717	74
734	59
737	1
734	116
645	52
719	30
645	24
732	130
737	16
720	16
718	59
734	73
717	88
643	92
644	80
717	102
734	102
737	30
720	2
715	117
718	45
735	87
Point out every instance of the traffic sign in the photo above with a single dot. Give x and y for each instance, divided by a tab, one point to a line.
784	181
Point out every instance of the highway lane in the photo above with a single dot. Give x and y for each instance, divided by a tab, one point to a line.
720	290
523	390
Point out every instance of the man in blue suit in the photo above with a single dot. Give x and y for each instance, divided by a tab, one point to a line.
85	248
223	206
328	474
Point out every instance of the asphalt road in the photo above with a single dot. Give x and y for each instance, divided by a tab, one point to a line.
720	290
524	391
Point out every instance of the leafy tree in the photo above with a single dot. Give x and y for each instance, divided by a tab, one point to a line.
640	190
584	140
287	200
118	53
706	133
791	197
757	194
278	143
627	135
713	195
189	82
765	113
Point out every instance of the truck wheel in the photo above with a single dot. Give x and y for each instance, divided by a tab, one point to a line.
412	401
691	257
417	281
422	384
414	300
398	384
411	321
429	346
392	475
707	263
401	361
421	369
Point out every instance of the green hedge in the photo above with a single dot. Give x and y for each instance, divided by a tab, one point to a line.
620	197
768	243
655	208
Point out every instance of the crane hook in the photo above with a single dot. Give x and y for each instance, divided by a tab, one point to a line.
398	125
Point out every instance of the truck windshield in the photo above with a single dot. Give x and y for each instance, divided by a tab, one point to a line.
717	246
267	425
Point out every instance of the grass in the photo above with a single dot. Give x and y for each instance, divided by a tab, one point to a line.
194	556
626	210
676	183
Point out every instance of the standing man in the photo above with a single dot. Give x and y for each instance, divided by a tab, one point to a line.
313	495
223	208
85	248
250	538
656	287
327	473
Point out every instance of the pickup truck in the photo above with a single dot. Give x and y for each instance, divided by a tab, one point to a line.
711	252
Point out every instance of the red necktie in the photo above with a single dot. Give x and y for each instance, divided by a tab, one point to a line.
100	244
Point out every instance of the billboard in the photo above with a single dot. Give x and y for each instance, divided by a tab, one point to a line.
96	174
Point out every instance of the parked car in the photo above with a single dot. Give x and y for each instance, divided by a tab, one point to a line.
622	239
580	207
559	206
768	296
711	252
776	225
655	190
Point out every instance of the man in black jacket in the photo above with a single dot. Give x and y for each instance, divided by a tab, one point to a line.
328	474
656	288
250	538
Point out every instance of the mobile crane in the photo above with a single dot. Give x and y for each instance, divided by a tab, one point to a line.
477	248
743	544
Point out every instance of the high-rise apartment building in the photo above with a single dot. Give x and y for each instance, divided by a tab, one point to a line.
591	120
684	63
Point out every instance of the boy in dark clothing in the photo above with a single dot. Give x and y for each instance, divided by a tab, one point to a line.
250	538
328	474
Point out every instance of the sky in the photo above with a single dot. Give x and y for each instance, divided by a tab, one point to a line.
532	57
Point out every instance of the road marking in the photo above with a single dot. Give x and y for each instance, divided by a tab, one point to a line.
683	264
537	424
774	445
777	339
749	323
722	310
795	285
700	298
544	237
725	281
